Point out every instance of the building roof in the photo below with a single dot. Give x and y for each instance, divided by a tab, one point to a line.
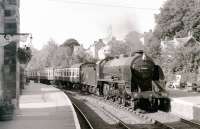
180	41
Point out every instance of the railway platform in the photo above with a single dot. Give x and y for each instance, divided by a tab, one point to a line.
185	104
43	107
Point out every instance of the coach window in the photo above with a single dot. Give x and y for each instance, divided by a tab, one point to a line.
73	73
77	72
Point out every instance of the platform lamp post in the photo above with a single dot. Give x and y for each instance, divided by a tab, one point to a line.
6	39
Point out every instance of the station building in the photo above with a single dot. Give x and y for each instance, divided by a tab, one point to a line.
94	48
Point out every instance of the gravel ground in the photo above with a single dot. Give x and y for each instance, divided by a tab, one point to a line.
125	116
163	117
181	125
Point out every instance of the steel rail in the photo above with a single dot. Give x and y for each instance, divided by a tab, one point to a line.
156	122
120	123
83	115
195	124
163	126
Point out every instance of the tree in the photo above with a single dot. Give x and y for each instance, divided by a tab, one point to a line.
70	43
61	57
186	60
79	55
152	46
132	39
118	47
177	18
42	58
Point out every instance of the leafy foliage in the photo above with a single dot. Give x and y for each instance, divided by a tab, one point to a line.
43	58
70	43
24	55
187	59
118	47
177	18
152	45
132	40
52	55
131	43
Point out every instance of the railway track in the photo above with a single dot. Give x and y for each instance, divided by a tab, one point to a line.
185	124
195	124
156	123
84	117
182	124
119	123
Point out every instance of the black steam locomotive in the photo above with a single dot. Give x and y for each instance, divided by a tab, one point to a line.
131	80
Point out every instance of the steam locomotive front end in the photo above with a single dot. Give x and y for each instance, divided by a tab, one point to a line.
147	91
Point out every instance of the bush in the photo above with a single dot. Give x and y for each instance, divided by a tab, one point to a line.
24	55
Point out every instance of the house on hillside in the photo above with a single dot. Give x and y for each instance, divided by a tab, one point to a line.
168	50
95	47
104	52
169	47
78	49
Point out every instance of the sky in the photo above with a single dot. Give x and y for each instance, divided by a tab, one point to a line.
85	20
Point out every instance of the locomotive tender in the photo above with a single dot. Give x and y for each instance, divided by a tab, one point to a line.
131	80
